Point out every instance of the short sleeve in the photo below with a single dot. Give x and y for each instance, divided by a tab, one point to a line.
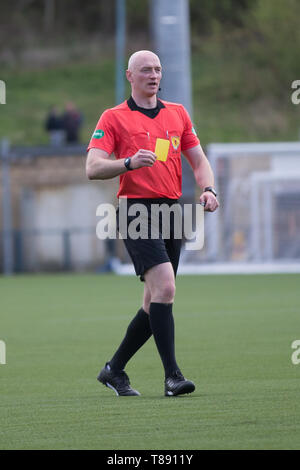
189	137
104	136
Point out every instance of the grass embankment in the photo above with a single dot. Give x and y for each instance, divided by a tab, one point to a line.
234	98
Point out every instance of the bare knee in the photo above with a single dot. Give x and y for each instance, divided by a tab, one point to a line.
146	300
160	282
164	293
146	303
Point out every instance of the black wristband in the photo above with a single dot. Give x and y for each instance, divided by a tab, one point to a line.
211	189
127	162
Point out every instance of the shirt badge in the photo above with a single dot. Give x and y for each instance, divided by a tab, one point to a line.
175	142
98	134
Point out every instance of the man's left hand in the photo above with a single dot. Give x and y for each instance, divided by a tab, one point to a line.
209	201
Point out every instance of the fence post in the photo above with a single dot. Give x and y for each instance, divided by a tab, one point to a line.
67	250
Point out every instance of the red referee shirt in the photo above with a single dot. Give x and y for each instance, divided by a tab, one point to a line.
124	130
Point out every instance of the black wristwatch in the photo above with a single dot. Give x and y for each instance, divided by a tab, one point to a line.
211	189
127	162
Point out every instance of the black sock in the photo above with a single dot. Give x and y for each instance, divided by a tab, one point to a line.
162	325
138	332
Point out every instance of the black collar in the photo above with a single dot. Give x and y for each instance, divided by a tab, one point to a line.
151	113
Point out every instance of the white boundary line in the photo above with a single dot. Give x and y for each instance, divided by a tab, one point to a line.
224	268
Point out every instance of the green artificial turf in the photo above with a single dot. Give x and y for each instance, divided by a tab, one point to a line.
233	339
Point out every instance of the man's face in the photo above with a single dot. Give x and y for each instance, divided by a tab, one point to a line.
145	75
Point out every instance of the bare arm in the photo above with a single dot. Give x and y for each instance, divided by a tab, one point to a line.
100	167
200	165
203	175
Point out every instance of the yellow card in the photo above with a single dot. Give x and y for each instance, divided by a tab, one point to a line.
162	149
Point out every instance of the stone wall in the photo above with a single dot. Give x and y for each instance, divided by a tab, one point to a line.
54	203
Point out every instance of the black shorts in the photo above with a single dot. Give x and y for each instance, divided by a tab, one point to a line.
148	252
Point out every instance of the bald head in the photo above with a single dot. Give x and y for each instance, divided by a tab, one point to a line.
140	58
144	75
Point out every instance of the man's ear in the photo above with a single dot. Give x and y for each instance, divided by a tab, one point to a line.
129	75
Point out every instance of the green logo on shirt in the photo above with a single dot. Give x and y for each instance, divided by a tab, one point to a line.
98	134
194	131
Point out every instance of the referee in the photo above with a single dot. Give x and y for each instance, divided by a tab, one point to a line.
147	136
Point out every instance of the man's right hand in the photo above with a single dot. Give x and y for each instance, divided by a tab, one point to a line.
142	158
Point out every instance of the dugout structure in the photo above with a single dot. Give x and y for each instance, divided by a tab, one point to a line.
256	228
259	192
